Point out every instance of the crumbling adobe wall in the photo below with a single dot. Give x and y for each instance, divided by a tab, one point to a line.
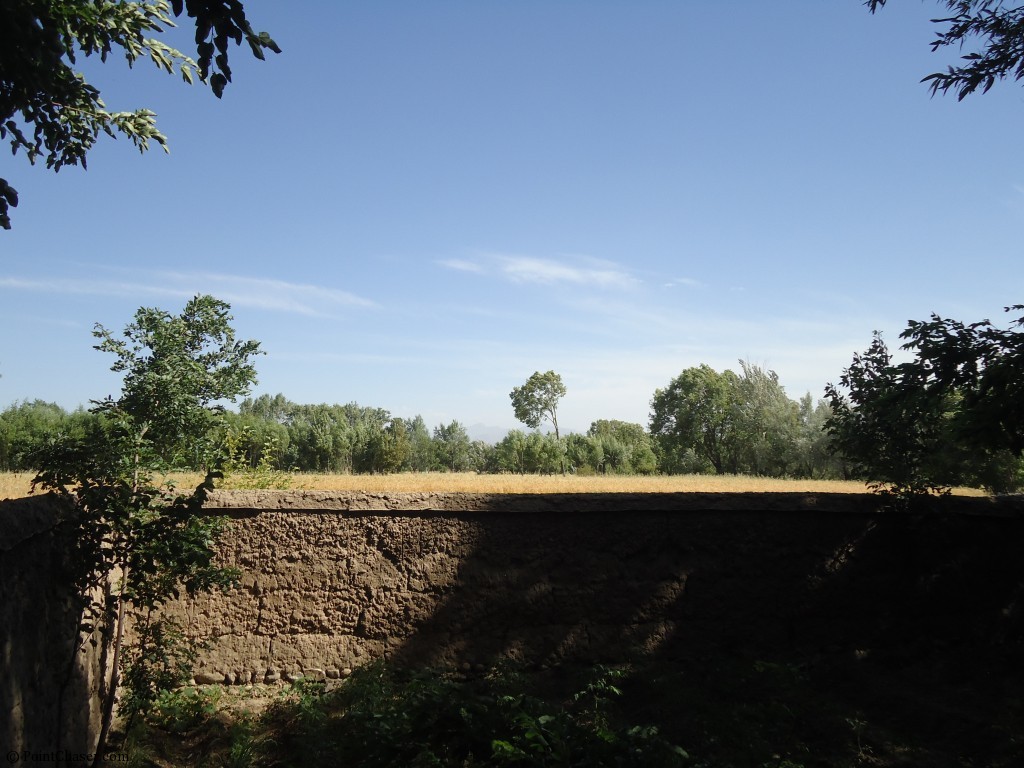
332	581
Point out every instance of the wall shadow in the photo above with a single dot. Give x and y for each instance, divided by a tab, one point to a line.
48	681
757	628
755	634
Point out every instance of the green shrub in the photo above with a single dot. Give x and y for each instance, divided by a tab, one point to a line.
184	709
386	717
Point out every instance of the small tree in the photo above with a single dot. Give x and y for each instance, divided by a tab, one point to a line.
888	426
176	369
421	447
537	400
452	444
510	453
137	541
953	413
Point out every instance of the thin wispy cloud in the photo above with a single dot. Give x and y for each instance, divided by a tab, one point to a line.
461	265
277	295
237	290
582	271
530	269
686	282
90	287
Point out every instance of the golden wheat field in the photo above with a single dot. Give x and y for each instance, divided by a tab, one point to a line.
17	484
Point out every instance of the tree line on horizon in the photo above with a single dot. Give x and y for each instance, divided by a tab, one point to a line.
704	422
888	430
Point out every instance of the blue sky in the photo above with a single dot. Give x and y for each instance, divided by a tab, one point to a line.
418	204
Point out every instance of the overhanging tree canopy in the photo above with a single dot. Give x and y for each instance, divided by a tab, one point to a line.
952	414
49	111
998	28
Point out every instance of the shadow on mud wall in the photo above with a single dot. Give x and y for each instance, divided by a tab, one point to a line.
542	588
613	587
48	686
790	633
902	645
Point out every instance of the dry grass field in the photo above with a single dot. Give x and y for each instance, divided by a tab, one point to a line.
470	482
15	485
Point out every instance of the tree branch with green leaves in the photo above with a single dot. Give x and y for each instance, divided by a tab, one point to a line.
953	414
49	111
998	30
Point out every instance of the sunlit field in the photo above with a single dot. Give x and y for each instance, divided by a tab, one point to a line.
470	482
15	485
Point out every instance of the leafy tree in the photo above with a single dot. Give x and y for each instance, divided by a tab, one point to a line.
585	454
706	421
626	447
543	454
421	446
982	364
695	413
452	447
251	443
266	408
1000	53
510	453
381	446
138	541
48	110
397	446
532	453
537	400
890	425
175	370
813	446
765	424
321	439
26	428
480	455
952	414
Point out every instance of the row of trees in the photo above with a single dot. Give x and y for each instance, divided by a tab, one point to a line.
711	422
948	417
705	422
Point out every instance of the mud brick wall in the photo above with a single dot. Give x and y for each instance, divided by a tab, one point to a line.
332	581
